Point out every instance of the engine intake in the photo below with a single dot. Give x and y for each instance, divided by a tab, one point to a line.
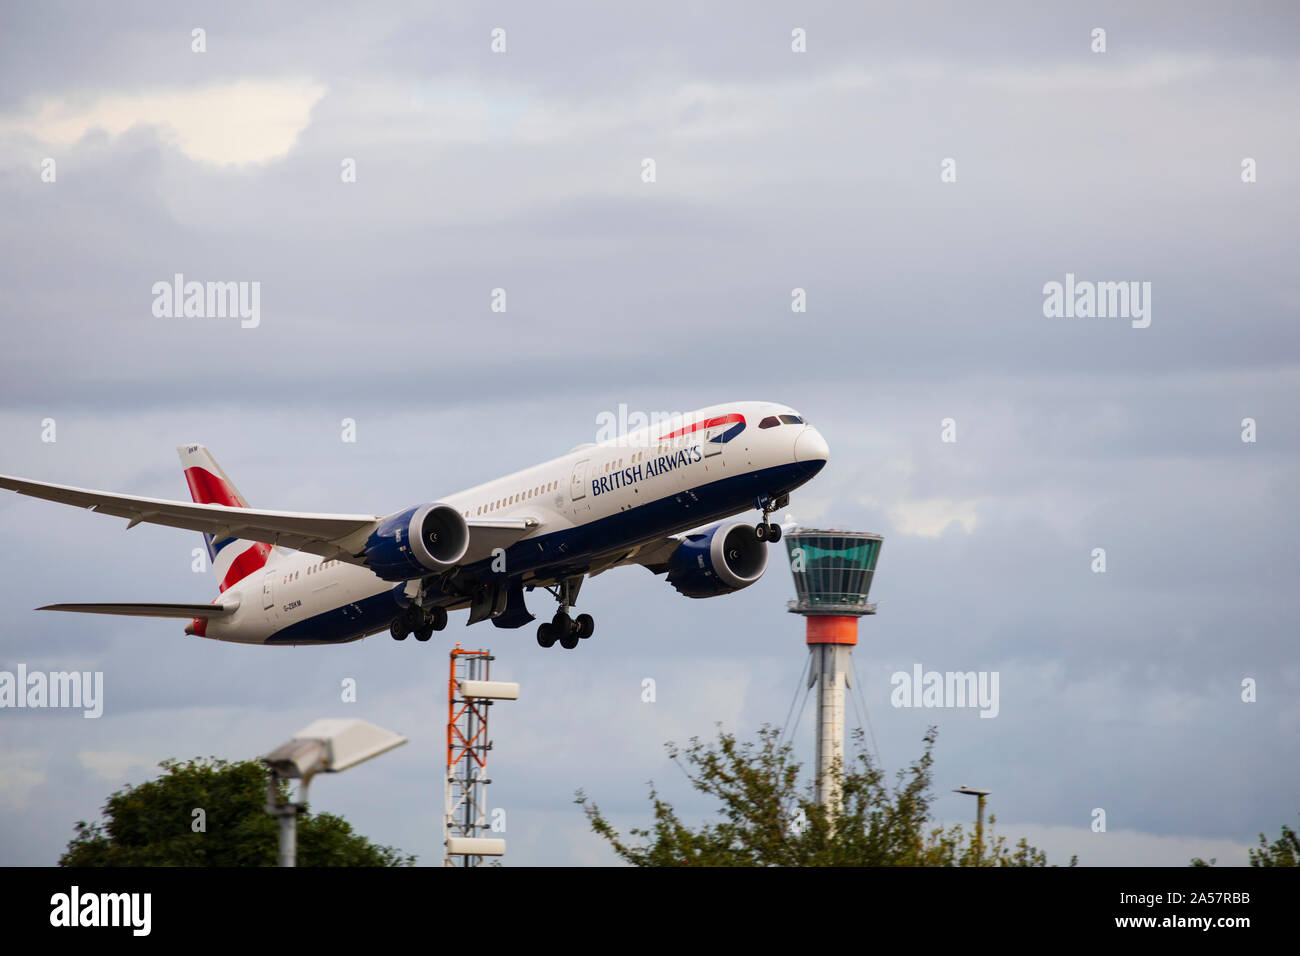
414	542
718	560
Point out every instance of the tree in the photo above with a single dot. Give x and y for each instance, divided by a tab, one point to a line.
767	819
155	824
1284	851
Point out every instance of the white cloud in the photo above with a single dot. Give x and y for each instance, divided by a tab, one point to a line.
112	765
250	121
20	774
929	517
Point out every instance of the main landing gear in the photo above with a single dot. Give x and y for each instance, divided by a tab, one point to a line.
568	631
421	622
766	530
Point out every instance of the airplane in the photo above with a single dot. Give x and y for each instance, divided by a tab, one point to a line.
659	496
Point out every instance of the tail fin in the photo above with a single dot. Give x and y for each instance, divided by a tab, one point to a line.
232	560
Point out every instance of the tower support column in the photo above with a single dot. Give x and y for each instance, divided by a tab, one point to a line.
830	670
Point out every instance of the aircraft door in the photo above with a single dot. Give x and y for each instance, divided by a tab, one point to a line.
578	484
268	592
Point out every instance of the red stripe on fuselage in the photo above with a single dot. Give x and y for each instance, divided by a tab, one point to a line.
710	423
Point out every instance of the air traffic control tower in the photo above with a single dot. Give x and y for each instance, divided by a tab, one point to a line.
832	573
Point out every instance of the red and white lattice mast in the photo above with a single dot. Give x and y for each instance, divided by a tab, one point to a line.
470	695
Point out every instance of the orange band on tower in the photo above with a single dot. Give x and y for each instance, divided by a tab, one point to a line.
831	629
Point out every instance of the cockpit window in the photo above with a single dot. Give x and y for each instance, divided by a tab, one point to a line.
770	422
792	419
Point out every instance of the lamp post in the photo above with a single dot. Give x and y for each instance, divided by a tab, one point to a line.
979	795
323	746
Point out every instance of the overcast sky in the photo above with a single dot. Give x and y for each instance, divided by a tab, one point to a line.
774	170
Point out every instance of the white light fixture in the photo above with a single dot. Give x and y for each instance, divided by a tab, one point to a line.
329	745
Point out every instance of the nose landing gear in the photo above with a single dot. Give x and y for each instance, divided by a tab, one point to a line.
766	530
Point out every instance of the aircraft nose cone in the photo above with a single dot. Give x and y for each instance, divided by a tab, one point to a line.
811	447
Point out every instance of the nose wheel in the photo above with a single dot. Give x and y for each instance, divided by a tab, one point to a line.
766	530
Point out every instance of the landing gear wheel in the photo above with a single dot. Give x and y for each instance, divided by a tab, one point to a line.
423	632
562	623
585	625
774	533
570	639
399	629
439	618
546	635
760	530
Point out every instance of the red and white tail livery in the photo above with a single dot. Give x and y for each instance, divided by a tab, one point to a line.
231	559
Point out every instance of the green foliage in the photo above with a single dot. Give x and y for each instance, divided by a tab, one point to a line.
1284	851
765	818
152	824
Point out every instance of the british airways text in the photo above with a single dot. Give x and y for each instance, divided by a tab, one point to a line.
653	467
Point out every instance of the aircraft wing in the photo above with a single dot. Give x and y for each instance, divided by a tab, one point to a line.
336	536
186	611
329	535
485	536
651	554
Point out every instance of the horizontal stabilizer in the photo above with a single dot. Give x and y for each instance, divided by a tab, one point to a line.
185	611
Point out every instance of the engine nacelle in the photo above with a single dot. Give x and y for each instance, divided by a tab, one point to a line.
416	542
718	560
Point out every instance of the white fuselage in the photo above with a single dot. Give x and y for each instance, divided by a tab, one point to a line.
596	500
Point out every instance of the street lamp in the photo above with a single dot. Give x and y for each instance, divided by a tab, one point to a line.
329	745
979	820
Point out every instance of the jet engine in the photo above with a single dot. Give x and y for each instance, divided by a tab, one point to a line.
416	542
718	560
